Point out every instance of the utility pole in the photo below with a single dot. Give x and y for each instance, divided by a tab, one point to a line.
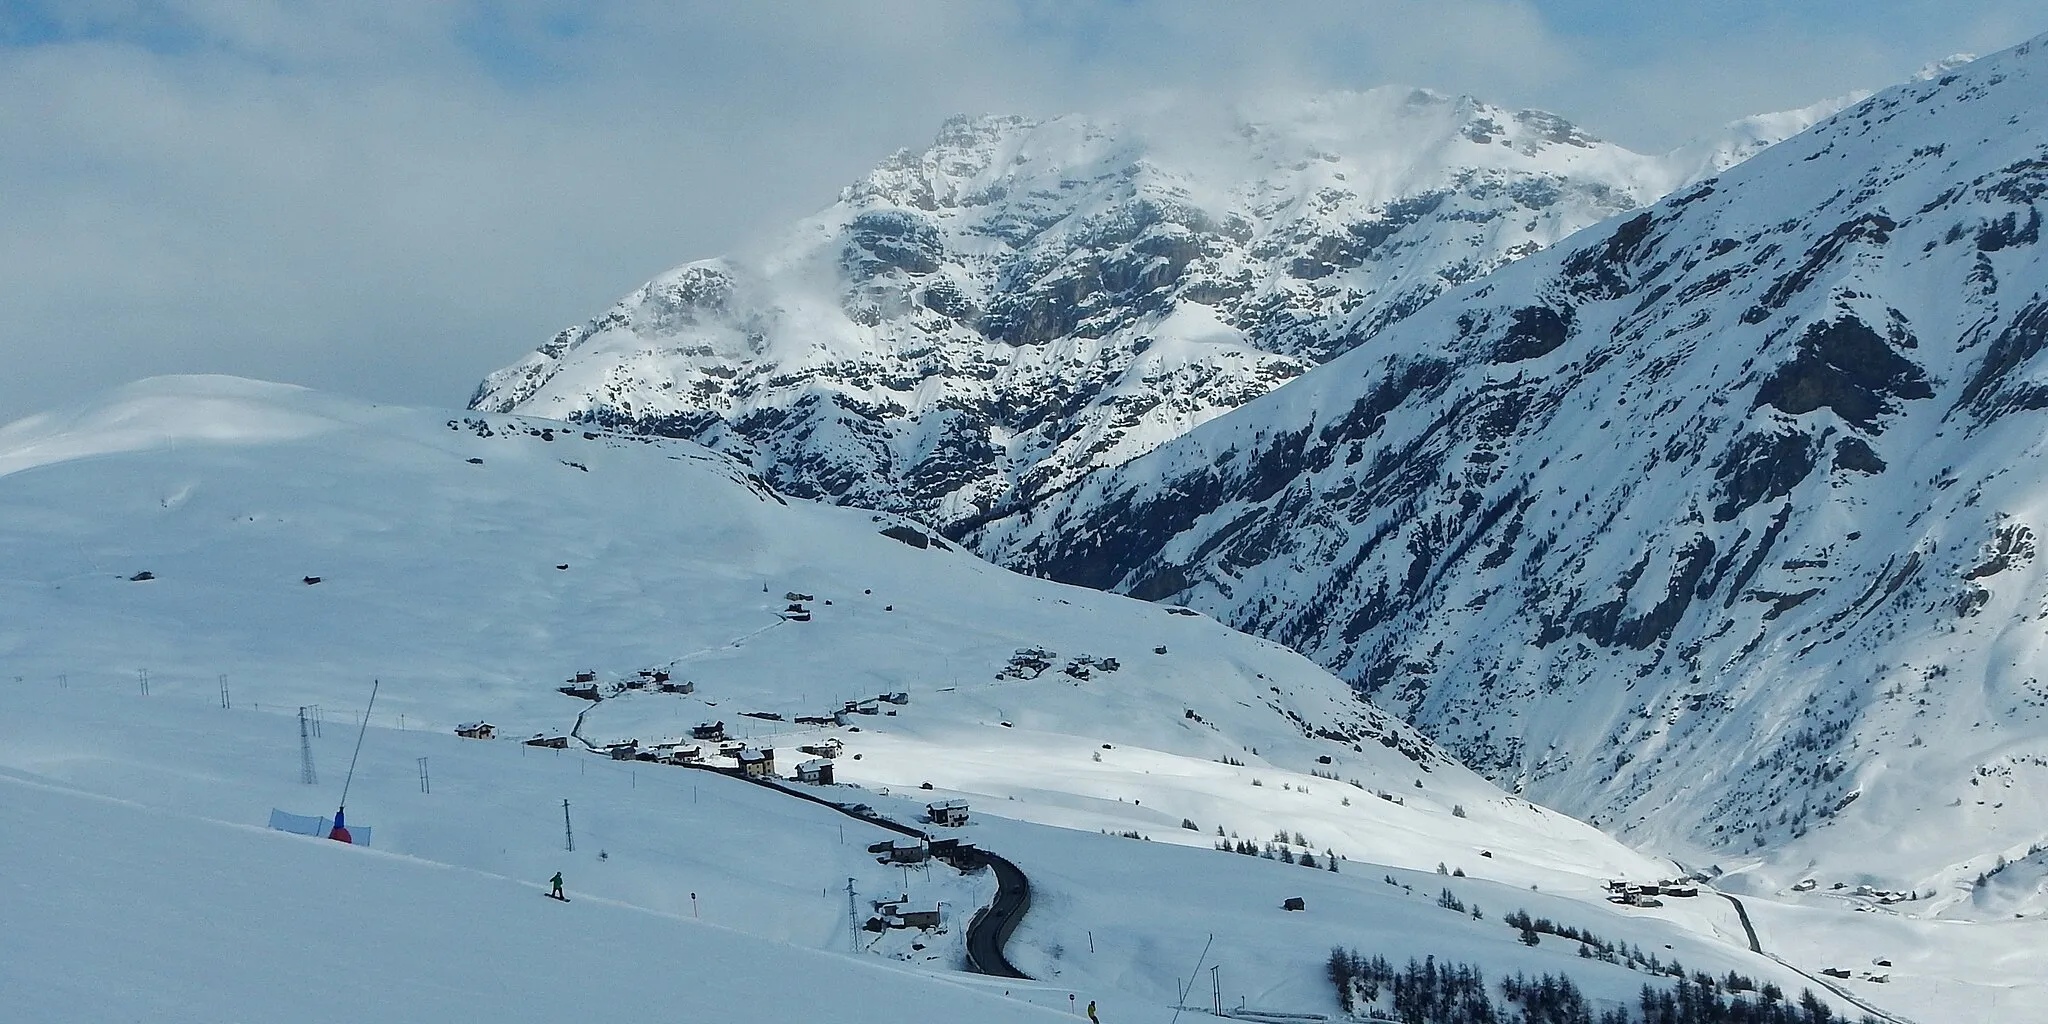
142	676
852	917
224	691
306	775
568	834
425	787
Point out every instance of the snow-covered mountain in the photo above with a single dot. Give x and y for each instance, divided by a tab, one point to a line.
1717	523
978	324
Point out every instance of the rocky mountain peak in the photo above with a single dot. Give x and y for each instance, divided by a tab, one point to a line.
981	322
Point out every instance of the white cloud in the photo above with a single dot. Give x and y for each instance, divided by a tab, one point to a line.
390	199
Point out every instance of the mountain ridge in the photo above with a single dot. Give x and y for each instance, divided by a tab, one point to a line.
1634	525
977	324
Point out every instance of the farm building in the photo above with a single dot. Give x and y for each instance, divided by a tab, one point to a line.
906	851
817	771
624	750
757	762
708	731
541	739
947	812
823	748
918	918
964	856
477	731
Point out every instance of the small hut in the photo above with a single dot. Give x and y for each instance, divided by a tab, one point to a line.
477	731
919	918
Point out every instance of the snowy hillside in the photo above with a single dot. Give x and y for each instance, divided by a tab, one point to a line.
192	561
976	325
1717	523
478	563
151	894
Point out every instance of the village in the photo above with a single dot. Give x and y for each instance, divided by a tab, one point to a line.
711	747
1645	894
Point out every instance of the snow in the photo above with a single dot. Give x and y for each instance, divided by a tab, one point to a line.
1848	682
128	819
982	322
117	911
131	843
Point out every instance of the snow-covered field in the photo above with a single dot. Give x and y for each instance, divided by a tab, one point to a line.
135	853
141	886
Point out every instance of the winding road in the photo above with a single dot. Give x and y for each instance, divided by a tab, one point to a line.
992	925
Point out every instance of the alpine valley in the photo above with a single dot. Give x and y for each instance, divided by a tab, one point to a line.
1716	524
1373	556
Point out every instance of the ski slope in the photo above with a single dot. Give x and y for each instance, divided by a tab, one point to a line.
438	576
133	845
118	911
438	549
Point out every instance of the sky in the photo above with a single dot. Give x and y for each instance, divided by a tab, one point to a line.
391	198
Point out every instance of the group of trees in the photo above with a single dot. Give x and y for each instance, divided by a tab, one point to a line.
1275	851
1593	947
1427	992
1421	993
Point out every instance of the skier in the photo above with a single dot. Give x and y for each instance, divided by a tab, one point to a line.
1091	1013
557	882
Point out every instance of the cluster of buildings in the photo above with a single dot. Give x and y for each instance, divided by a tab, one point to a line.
1645	894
